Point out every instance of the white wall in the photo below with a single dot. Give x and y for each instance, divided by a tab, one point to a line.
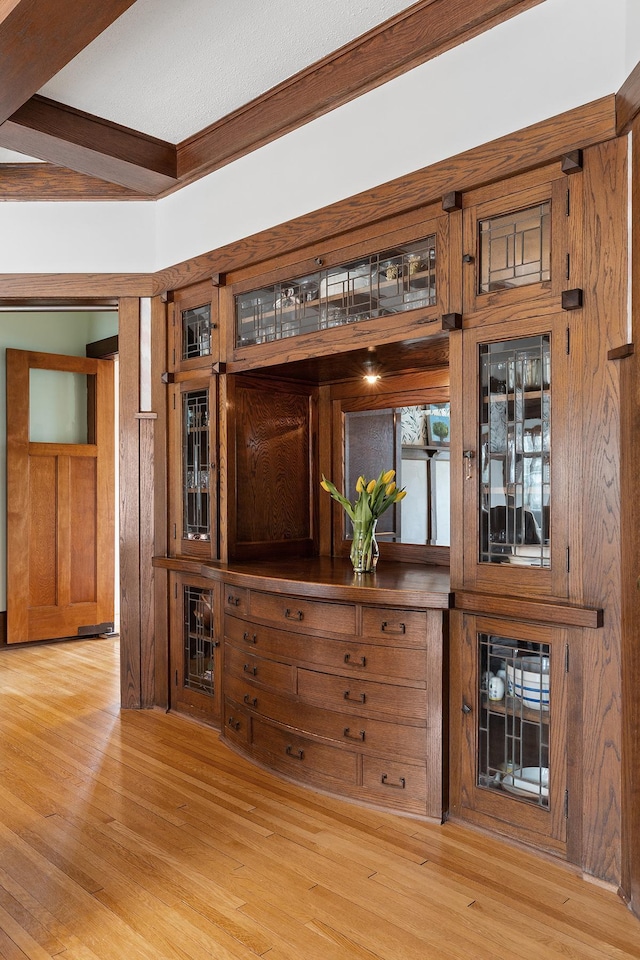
66	333
558	55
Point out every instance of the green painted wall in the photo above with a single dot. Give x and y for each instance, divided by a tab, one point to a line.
54	332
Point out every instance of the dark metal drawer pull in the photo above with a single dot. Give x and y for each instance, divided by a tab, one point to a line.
249	637
359	699
296	754
298	615
350	736
233	723
250	701
248	669
386	628
361	662
396	786
233	601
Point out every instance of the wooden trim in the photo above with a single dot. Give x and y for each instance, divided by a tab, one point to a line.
628	101
414	36
159	398
100	349
514	153
62	288
539	611
39	37
68	137
46	181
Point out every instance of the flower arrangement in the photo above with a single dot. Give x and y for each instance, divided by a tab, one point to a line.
374	497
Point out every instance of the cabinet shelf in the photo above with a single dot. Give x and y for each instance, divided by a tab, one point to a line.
511	706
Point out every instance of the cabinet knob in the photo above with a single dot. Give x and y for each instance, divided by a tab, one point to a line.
346	733
356	662
398	629
250	701
249	669
249	637
295	615
296	754
233	723
400	785
468	460
233	601
465	707
359	699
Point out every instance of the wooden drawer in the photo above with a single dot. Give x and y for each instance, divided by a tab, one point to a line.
271	673
302	758
348	657
302	615
395	784
236	599
363	697
236	724
381	737
402	627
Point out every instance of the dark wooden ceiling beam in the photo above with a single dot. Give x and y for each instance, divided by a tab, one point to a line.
69	138
39	37
46	181
423	31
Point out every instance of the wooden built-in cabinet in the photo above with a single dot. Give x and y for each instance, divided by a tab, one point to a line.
492	301
195	661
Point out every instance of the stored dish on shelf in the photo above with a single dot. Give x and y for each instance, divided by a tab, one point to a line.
527	782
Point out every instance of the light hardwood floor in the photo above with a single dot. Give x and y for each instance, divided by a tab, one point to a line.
139	836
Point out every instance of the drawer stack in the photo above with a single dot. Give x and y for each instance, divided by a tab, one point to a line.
341	696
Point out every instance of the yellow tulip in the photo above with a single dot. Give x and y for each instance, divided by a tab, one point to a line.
390	488
360	485
389	475
371	486
401	495
325	486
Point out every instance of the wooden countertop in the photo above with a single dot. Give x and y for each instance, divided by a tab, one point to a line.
398	584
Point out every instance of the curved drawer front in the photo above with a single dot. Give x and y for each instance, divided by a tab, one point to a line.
236	723
349	657
301	615
395	783
272	673
403	627
364	697
302	758
236	599
381	737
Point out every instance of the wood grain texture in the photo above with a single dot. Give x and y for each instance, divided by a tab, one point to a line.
527	148
46	181
160	504
628	102
424	31
605	326
97	148
39	37
140	834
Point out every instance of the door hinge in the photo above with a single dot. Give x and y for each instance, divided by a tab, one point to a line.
568	208
175	586
568	560
566	658
568	267
566	804
176	678
175	531
568	341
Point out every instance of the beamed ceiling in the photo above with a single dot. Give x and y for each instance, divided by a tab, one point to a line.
129	99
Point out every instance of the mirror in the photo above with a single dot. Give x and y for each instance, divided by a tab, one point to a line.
414	441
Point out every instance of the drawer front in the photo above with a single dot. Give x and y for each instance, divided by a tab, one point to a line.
271	673
302	758
236	724
236	599
362	697
381	737
349	657
395	784
292	613
402	627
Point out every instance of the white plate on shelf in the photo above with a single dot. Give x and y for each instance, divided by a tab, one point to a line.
527	782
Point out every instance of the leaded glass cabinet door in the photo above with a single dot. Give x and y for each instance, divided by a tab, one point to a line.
195	648
514	714
194	328
514	457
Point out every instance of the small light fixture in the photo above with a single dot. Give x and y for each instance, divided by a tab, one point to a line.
371	373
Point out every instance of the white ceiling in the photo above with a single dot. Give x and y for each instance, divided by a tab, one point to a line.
169	69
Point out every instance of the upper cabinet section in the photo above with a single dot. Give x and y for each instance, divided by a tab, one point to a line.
386	282
193	329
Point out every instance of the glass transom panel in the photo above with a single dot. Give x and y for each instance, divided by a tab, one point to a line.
196	332
514	717
515	452
395	280
515	249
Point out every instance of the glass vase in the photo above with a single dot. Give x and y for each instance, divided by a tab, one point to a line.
364	546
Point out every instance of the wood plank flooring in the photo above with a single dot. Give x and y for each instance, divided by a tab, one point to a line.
139	836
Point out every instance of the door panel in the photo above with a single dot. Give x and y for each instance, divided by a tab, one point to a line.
60	510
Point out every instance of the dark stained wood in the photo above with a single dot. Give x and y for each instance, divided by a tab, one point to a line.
46	181
531	147
108	347
160	527
525	608
604	327
628	101
131	628
63	288
629	373
427	29
39	37
98	148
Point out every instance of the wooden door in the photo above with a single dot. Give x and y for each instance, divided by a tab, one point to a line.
60	508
